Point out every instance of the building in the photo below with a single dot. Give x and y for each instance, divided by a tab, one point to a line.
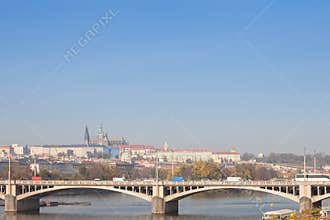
126	157
114	153
115	141
226	157
80	151
5	151
103	138
327	167
189	155
19	150
135	152
100	139
130	153
183	155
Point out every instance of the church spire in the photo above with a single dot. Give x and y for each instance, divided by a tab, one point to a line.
165	146
86	137
100	135
106	139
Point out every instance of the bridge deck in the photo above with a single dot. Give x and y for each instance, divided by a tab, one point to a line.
165	183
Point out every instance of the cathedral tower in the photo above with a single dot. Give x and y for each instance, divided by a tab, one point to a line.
86	137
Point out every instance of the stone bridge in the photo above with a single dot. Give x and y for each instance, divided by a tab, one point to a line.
164	196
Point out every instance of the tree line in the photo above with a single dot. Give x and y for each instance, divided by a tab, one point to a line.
289	158
195	171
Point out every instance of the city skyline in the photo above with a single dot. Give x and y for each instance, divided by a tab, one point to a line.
103	138
254	77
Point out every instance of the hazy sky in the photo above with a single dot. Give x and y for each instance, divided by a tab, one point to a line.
220	74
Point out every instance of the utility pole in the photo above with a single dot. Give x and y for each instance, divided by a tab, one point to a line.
9	172
304	164
157	174
34	167
172	164
314	161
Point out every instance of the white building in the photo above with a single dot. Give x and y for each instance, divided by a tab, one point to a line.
190	155
135	152
81	151
226	157
183	155
5	151
19	150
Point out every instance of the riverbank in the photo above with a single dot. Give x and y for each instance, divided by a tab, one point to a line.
312	214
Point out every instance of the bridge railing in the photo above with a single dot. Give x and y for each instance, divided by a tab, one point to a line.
83	182
115	183
235	183
167	183
109	182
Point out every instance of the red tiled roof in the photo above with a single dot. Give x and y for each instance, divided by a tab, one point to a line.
184	150
135	147
231	153
144	147
4	147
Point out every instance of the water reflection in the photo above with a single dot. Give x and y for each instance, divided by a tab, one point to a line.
147	217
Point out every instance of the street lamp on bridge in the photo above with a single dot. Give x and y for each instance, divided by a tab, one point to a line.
9	171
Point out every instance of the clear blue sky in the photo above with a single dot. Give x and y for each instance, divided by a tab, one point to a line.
247	74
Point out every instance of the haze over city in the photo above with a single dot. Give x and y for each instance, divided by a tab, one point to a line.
252	76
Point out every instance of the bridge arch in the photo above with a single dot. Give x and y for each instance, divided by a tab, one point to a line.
47	191
181	195
320	198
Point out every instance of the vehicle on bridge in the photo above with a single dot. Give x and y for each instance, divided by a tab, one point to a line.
36	178
313	177
118	179
177	179
233	179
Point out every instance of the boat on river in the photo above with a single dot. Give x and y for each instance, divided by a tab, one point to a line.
325	213
278	214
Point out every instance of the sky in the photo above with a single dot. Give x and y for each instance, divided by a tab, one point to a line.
250	75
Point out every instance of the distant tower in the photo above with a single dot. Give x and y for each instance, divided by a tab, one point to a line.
100	135
165	146
86	137
106	140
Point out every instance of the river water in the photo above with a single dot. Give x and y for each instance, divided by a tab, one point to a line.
115	206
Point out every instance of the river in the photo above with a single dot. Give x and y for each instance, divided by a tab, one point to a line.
106	205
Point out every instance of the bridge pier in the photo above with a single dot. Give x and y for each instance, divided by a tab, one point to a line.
305	203
13	206
10	204
159	206
305	197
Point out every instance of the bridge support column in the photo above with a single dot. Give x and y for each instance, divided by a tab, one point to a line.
159	206
10	204
29	205
305	203
305	194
